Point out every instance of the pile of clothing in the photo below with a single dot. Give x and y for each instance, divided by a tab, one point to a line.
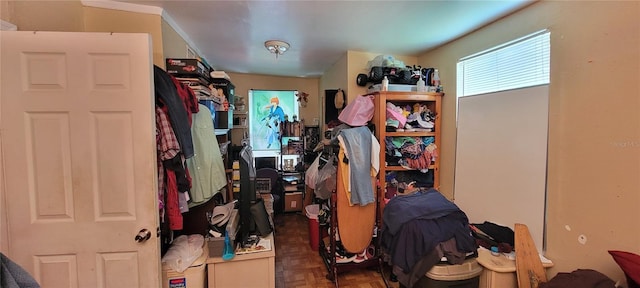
409	118
489	235
419	229
411	152
400	181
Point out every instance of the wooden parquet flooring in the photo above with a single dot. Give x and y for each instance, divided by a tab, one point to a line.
298	266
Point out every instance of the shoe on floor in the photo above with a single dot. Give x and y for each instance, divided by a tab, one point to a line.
366	254
345	259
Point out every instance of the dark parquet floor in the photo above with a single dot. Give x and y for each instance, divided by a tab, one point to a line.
298	266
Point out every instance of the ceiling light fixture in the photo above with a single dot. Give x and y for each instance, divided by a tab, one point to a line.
276	47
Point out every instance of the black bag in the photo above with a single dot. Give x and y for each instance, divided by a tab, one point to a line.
261	218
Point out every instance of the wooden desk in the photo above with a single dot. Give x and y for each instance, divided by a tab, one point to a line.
499	271
254	270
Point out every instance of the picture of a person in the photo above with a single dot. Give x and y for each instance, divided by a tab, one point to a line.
273	120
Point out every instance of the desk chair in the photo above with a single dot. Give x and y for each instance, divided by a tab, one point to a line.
268	182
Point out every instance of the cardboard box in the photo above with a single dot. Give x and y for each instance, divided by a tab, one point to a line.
216	246
293	202
184	67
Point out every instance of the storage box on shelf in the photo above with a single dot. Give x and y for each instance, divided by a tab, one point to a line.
426	104
188	68
293	184
194	74
293	201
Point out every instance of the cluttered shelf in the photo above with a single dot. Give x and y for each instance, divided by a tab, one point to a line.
401	168
412	96
411	134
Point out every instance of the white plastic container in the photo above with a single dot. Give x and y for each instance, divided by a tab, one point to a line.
435	80
468	269
421	86
385	84
464	275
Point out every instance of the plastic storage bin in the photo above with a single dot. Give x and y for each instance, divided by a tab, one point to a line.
465	275
194	277
314	234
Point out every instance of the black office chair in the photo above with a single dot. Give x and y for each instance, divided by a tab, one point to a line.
268	181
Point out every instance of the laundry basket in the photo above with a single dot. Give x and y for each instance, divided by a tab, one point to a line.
194	277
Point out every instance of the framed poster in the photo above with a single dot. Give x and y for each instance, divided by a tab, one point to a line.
268	110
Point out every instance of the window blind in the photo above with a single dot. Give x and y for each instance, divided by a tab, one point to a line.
521	63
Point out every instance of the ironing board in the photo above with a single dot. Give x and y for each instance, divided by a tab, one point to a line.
355	223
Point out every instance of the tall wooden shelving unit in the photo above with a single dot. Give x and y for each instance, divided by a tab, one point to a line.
433	101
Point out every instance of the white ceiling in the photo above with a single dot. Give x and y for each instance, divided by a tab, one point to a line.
230	35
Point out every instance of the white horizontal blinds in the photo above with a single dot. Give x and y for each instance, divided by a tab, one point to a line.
520	63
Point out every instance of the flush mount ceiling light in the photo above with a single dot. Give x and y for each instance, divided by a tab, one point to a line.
276	47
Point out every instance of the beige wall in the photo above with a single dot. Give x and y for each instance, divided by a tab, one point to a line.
358	64
333	78
44	15
173	45
245	82
104	20
593	188
72	16
343	73
4	11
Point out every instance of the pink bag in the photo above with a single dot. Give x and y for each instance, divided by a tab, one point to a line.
358	112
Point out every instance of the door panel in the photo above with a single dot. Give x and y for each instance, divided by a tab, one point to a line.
78	143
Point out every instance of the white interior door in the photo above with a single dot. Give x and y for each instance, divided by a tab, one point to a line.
78	137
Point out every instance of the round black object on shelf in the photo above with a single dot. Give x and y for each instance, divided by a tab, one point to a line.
362	79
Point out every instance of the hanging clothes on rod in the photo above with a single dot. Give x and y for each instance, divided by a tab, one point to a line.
206	166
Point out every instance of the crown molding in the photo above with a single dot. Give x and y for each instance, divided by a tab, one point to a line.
145	9
6	26
167	18
123	6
